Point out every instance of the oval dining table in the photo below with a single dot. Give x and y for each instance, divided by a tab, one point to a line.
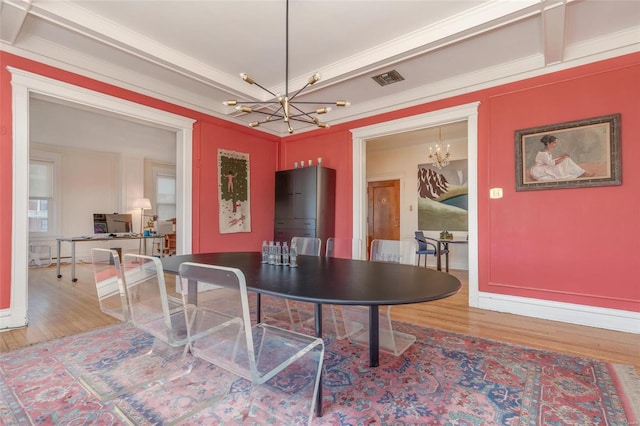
335	281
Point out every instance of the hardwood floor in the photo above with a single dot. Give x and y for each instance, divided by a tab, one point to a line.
59	308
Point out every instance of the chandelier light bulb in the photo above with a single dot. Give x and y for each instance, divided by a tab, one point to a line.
246	78
230	102
343	103
314	78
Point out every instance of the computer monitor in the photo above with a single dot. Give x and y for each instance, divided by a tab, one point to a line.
116	223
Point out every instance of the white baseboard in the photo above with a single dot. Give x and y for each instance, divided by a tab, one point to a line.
9	320
610	319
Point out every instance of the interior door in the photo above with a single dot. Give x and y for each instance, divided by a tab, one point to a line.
384	211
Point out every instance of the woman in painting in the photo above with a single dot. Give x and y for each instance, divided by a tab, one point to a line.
548	168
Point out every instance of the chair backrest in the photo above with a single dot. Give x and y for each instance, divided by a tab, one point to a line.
394	251
344	248
152	308
110	286
307	246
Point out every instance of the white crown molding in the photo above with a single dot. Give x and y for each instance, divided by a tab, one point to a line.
610	319
524	68
77	19
472	22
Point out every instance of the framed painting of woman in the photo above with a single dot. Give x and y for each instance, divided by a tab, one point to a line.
574	154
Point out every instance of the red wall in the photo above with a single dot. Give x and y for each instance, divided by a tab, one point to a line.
572	245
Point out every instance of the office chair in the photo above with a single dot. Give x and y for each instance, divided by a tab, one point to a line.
425	248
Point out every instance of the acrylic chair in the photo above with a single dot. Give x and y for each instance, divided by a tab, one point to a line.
393	341
278	309
426	248
341	248
283	366
157	313
110	287
307	246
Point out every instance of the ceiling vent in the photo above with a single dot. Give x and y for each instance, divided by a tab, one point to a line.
387	78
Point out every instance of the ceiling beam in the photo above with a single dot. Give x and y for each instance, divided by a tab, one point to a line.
554	30
12	16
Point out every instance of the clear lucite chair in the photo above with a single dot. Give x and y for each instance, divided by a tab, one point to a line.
307	246
110	287
392	341
161	357
342	248
283	366
277	309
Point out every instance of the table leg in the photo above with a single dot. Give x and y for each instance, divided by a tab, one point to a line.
318	318
73	262
374	336
58	261
446	247
192	289
439	257
258	309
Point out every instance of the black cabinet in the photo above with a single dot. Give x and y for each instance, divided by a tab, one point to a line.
305	203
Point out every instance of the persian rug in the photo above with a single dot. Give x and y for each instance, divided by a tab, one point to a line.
444	378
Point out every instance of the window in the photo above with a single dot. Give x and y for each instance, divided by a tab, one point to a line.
43	199
165	195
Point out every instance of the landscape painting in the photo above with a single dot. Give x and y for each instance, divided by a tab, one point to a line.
443	197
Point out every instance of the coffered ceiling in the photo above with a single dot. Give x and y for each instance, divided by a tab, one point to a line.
191	52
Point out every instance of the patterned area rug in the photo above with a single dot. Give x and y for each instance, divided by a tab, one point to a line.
442	379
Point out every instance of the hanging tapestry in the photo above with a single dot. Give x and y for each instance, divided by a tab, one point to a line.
443	197
233	192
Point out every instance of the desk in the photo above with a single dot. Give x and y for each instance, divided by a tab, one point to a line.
442	245
74	240
321	280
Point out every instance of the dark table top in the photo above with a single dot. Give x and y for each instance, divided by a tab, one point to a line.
332	280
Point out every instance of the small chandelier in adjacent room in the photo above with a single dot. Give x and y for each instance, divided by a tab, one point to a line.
283	106
436	157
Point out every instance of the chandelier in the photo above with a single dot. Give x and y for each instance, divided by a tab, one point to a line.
436	157
283	107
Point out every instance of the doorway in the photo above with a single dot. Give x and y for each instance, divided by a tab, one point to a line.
383	211
24	84
467	113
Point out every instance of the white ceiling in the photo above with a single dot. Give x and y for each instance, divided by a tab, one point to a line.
191	52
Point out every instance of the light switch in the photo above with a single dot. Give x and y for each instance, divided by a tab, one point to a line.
495	193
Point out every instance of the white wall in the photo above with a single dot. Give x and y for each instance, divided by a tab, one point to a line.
103	160
402	163
93	182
